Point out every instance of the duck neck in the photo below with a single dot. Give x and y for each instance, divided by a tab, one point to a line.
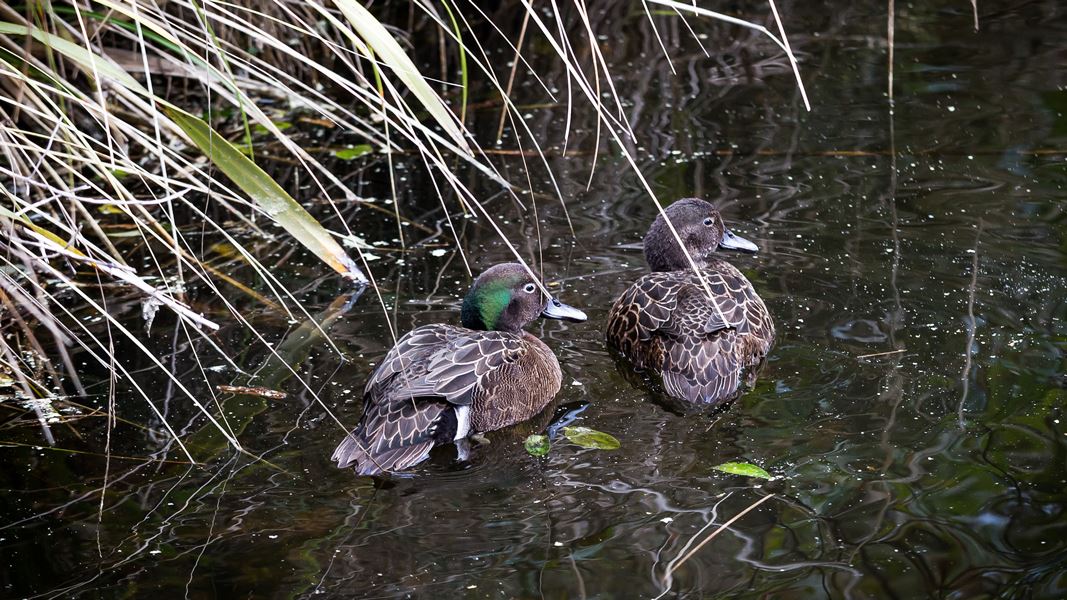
677	262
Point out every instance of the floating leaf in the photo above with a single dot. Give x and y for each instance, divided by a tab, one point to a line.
258	129
353	152
537	445
745	469
591	438
225	250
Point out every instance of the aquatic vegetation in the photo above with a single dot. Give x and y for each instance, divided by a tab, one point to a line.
112	109
743	469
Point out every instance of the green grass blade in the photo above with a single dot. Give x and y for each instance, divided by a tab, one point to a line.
463	72
90	62
265	192
390	53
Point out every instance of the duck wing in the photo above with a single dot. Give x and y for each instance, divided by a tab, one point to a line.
395	436
446	362
642	310
420	394
710	343
651	306
700	370
727	306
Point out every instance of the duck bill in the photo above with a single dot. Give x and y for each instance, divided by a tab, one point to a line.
554	309
732	241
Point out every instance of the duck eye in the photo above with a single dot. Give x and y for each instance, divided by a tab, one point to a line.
529	288
708	222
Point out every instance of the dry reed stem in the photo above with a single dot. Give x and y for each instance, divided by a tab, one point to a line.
882	353
679	562
890	27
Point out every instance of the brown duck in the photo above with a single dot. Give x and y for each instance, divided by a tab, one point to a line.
701	346
442	383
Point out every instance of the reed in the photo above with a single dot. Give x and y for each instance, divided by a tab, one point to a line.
147	118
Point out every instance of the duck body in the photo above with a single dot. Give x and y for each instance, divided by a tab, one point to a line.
661	324
442	383
702	347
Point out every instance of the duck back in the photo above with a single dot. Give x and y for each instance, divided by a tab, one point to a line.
701	347
441	383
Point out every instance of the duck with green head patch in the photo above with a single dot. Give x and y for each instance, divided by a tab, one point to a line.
442	383
702	347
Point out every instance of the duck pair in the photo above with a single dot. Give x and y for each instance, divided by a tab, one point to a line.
700	330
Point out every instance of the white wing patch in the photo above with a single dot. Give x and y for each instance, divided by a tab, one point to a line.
463	421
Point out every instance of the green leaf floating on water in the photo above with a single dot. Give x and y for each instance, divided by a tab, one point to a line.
537	445
353	152
591	438
746	469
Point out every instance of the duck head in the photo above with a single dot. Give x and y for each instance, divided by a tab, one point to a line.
701	230
506	298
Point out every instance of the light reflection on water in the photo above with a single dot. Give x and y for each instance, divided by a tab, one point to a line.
912	472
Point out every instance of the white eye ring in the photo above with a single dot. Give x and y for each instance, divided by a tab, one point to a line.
708	222
529	288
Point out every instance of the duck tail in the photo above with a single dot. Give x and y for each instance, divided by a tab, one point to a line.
355	452
701	389
703	372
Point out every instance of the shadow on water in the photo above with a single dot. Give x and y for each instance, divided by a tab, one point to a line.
912	408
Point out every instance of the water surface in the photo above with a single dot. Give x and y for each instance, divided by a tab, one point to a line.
914	258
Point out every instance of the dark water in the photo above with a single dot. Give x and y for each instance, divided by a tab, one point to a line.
912	409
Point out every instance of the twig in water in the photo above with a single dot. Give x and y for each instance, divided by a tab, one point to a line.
882	353
966	376
578	574
679	562
244	390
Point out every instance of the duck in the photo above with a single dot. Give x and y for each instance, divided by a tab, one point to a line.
443	383
702	347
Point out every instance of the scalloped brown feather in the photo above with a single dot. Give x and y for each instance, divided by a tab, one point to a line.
666	324
412	395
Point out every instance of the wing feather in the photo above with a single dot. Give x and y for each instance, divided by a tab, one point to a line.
699	346
410	400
